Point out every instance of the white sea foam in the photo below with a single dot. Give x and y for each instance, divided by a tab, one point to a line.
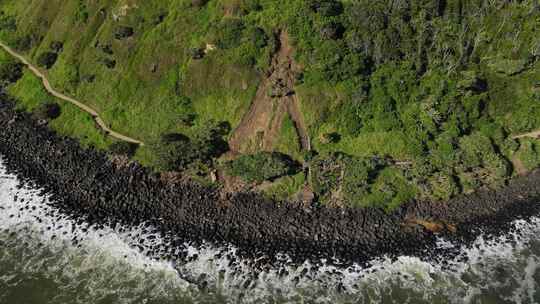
89	264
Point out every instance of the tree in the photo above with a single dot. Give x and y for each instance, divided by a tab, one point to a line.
177	152
170	152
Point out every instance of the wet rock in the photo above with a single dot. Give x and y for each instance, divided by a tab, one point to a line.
85	184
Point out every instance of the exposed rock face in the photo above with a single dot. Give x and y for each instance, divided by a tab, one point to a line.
86	183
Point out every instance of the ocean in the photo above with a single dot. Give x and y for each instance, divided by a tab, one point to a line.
47	257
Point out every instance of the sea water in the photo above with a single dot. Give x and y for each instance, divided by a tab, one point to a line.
46	257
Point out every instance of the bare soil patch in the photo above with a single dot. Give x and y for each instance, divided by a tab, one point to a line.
275	98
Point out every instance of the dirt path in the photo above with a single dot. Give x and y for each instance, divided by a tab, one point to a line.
519	166
534	134
262	124
80	105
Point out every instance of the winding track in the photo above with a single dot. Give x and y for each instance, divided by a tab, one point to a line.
101	123
534	134
95	115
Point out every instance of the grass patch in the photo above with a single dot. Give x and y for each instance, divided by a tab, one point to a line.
286	187
73	122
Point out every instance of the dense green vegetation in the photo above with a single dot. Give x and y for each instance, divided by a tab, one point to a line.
30	95
441	85
262	166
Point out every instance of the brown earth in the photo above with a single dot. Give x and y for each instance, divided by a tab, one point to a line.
274	100
519	166
533	134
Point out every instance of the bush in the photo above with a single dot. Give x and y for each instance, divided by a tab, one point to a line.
329	138
123	32
332	31
177	152
123	148
171	152
8	23
529	154
47	59
479	157
10	72
344	178
262	166
443	186
48	111
196	53
327	8
251	5
198	3
57	46
257	37
23	43
229	33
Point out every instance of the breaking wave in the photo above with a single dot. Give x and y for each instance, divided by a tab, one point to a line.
48	257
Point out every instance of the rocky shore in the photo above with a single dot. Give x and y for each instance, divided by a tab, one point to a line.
86	184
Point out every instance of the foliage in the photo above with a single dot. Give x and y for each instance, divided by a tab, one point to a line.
10	72
285	188
177	152
123	148
48	111
172	152
444	84
229	33
529	154
261	166
341	179
47	59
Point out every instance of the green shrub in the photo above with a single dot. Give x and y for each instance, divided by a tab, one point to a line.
123	32
24	43
529	154
286	187
443	186
198	3
262	166
57	46
47	59
123	148
327	8
177	152
229	33
7	22
172	152
48	111
339	172
10	72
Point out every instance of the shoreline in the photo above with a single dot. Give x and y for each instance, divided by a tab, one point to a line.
86	184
